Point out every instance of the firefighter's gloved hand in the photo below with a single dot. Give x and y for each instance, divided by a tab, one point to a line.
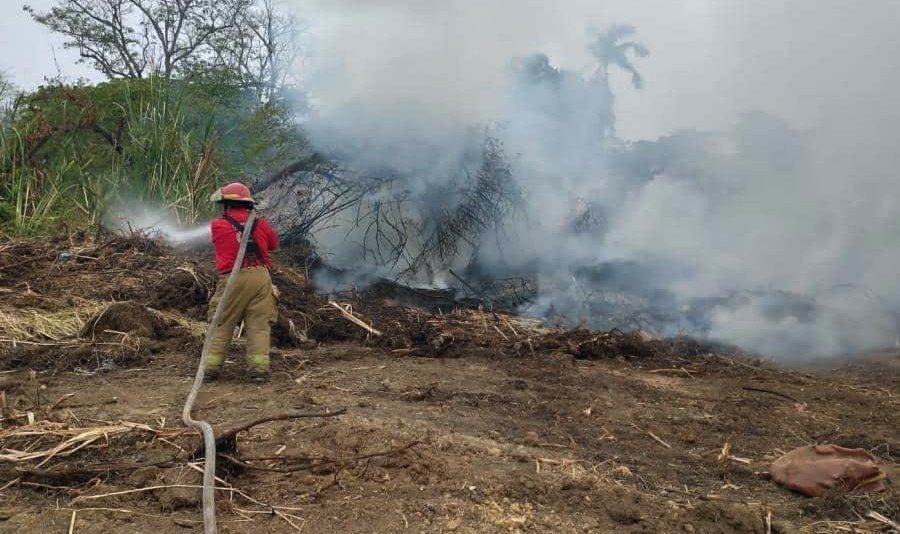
275	291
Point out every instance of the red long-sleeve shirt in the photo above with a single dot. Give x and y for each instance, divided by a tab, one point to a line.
226	241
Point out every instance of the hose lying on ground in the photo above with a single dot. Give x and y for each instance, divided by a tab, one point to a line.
209	439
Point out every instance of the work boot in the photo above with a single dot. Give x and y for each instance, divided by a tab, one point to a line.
210	375
258	375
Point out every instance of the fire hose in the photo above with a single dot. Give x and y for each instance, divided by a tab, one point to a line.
209	438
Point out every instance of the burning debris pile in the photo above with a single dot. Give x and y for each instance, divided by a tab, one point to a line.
113	300
469	256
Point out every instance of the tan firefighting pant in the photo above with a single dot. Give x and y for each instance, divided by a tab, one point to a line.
251	301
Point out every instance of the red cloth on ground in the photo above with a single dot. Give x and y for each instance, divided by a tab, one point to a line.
814	470
226	241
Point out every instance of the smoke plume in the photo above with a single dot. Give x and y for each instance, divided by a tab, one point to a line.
746	193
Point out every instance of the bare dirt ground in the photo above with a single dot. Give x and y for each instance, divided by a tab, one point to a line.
461	421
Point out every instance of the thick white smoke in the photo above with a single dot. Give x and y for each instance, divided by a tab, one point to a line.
801	199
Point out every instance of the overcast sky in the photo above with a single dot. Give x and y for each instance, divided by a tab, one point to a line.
27	50
710	59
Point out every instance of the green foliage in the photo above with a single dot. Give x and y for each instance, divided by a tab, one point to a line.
71	152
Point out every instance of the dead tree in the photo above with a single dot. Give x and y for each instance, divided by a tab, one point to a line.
487	198
138	38
393	225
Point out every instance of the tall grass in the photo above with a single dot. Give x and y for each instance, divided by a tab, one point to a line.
31	196
54	167
167	162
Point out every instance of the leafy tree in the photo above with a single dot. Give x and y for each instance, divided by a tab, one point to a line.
262	50
249	41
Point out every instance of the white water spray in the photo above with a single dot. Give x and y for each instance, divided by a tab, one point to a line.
156	221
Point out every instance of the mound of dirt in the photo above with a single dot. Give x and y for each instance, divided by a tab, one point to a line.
586	344
68	357
185	289
125	318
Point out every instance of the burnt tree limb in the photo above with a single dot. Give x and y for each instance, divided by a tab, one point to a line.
309	163
226	440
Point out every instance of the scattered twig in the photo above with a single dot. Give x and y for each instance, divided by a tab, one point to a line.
725	455
654	436
91	469
72	522
726	451
510	326
56	404
883	520
66	489
143	490
287	517
348	314
208	404
112	400
678	370
501	332
227	437
83	438
771	392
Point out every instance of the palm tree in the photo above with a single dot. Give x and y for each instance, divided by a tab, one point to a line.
608	49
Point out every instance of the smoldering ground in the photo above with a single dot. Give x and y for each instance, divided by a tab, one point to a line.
722	207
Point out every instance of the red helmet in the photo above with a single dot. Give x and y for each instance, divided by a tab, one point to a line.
234	191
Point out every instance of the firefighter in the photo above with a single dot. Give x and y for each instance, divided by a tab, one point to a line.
252	298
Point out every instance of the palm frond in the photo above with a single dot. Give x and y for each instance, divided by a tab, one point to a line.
617	32
636	48
636	79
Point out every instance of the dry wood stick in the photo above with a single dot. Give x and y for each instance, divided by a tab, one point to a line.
353	319
500	332
883	520
142	490
770	392
91	469
510	326
654	436
60	401
66	489
285	516
11	483
229	434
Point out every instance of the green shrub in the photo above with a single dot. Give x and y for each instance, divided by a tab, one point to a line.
70	152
